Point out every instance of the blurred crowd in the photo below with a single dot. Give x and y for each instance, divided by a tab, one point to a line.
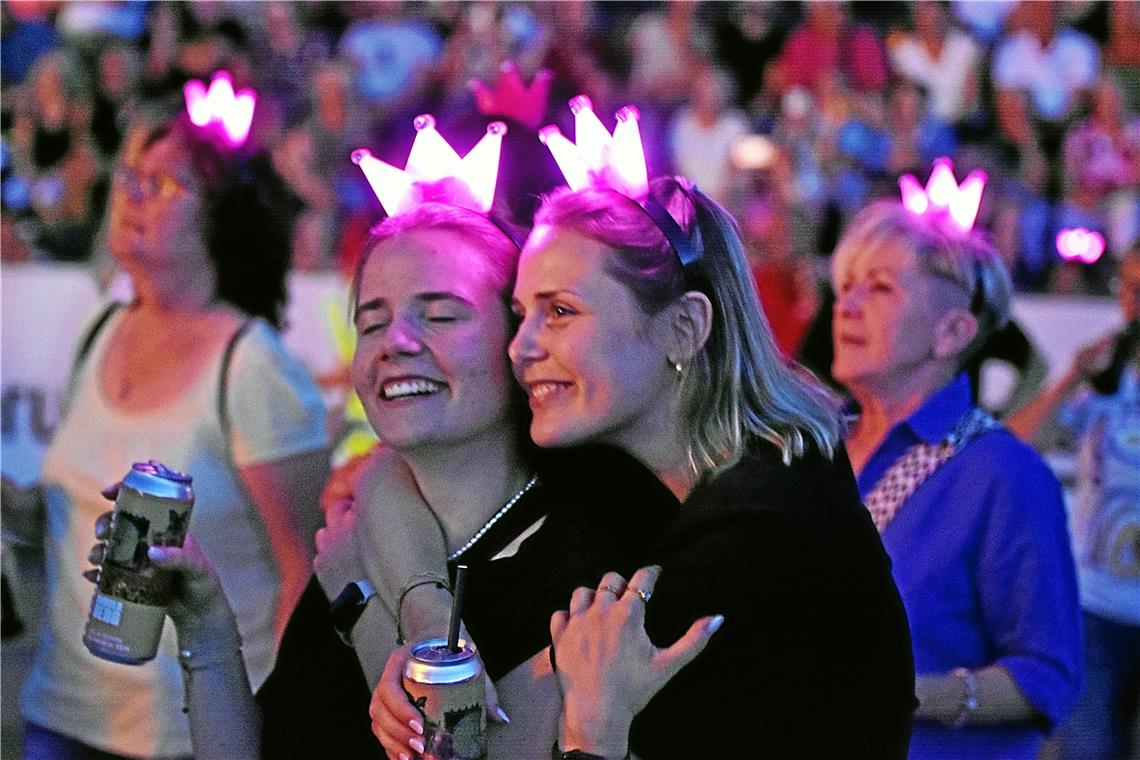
794	115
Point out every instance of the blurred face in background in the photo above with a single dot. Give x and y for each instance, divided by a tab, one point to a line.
156	223
887	308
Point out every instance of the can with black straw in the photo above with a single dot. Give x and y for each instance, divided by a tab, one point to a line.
444	680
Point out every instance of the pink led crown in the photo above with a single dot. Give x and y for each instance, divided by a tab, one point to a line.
435	172
596	158
1079	244
219	108
943	198
511	97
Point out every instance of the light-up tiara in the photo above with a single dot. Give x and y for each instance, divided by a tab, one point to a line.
512	98
1079	244
435	172
615	161
219	109
944	200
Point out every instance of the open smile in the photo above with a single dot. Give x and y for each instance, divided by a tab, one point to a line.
546	391
409	387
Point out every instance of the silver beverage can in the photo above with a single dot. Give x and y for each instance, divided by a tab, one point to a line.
129	607
447	688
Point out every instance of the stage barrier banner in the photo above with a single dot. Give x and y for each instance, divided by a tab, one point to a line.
46	307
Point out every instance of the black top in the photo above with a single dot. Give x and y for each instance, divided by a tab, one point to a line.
315	702
814	657
813	660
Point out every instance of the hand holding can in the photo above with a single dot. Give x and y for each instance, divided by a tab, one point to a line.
128	610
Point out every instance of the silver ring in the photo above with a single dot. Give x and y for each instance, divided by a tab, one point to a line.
644	596
611	589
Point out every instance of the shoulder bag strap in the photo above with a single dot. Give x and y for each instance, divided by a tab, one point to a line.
84	347
224	381
919	462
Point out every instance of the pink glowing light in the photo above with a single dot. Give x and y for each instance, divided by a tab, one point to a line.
513	98
220	108
435	172
943	197
596	158
1079	244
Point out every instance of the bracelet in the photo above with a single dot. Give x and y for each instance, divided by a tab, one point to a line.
969	704
417	580
192	661
577	754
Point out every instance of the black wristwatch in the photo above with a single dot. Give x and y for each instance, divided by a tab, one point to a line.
348	606
576	754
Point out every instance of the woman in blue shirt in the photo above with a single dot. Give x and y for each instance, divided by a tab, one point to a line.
972	518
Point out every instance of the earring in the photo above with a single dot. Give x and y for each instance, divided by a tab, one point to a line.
677	368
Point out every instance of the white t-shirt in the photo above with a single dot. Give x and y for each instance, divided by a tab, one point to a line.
944	78
702	153
275	411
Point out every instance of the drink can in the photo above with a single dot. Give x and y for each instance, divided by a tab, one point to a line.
447	688
129	607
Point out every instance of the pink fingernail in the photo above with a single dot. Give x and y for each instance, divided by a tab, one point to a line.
714	625
404	756
416	726
416	744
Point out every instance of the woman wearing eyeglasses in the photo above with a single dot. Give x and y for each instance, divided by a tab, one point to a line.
972	519
182	374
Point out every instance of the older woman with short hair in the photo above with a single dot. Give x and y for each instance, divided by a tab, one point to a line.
972	519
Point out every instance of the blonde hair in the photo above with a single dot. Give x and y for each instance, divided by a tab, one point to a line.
738	388
969	261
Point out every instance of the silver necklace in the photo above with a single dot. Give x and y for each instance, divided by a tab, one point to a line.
494	518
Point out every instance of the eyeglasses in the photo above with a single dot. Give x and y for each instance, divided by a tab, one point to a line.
143	187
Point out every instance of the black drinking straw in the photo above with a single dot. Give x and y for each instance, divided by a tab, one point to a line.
456	609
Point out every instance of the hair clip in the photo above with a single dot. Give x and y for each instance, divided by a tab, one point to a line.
219	109
435	172
944	199
510	97
615	162
1079	244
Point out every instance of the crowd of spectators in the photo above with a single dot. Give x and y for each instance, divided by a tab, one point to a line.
1042	95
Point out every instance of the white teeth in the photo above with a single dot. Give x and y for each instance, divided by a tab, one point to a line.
542	391
403	388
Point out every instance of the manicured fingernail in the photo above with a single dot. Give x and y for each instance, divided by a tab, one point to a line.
714	625
416	726
156	552
501	714
404	756
416	744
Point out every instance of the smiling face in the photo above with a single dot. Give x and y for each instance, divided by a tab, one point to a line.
430	364
886	312
592	362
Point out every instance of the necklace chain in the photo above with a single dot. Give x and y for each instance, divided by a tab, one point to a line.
494	518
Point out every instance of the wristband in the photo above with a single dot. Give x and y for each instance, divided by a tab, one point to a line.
576	754
348	606
969	704
417	580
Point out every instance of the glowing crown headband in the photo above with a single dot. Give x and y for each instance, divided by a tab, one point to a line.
943	199
219	109
616	162
511	97
435	172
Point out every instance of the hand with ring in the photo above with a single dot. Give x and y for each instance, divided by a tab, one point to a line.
608	669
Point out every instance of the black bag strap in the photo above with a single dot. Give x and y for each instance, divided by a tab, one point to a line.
224	379
85	345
